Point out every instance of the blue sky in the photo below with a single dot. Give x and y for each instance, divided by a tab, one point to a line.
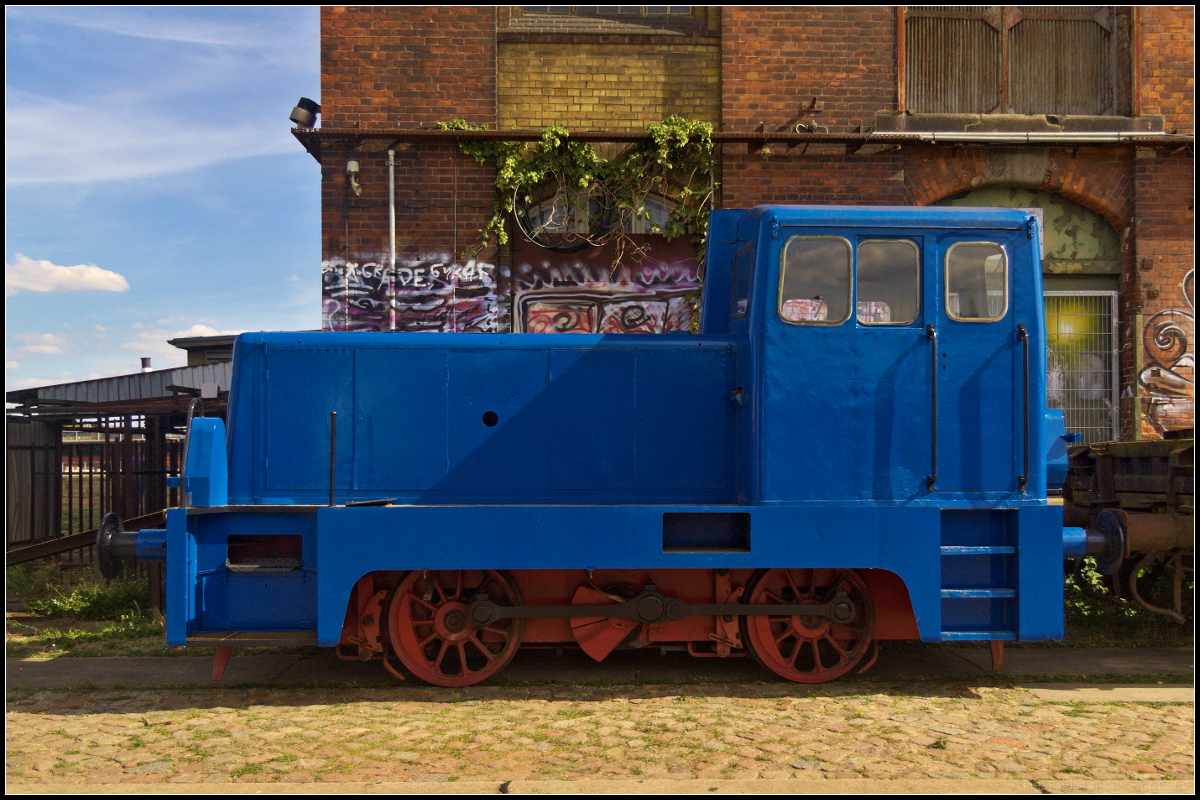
153	187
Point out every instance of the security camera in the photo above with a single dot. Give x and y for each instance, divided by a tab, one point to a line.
305	112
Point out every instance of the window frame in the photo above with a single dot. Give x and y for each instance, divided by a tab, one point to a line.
917	287
851	311
946	283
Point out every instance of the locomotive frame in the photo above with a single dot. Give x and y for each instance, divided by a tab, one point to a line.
854	448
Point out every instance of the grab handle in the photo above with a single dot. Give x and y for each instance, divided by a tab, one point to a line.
931	335
1023	481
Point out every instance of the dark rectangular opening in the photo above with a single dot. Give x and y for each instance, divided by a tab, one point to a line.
706	532
265	550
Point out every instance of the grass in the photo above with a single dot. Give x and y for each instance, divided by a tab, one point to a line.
1092	622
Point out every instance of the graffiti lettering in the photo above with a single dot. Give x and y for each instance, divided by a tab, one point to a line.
1169	375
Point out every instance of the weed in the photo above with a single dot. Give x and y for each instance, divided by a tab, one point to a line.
72	752
574	713
94	601
286	758
247	769
451	778
136	741
128	626
940	744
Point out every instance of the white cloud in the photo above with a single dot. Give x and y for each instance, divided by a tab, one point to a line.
154	342
41	344
277	32
49	140
46	276
11	365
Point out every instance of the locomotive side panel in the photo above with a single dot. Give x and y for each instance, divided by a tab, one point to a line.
437	419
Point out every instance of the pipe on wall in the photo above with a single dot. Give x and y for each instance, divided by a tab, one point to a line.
391	165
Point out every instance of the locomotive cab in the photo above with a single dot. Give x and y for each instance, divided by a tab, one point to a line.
886	355
852	450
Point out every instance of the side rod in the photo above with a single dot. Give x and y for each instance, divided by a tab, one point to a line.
655	608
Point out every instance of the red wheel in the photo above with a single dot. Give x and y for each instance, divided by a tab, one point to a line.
432	635
808	649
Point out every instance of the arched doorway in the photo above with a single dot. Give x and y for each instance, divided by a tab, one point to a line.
1081	272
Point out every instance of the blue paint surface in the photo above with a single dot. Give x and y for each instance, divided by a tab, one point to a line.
554	451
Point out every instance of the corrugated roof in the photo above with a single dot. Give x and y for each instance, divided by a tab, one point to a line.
139	386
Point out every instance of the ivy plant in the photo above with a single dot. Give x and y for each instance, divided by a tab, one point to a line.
561	187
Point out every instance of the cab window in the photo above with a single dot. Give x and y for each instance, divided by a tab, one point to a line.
976	281
814	280
888	282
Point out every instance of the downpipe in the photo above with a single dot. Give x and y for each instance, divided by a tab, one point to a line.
391	165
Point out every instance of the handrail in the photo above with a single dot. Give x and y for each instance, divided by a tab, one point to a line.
184	499
1023	481
332	454
931	335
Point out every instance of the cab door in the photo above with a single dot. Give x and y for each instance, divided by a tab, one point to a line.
976	353
847	375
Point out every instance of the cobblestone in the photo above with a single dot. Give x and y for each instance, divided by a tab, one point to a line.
749	731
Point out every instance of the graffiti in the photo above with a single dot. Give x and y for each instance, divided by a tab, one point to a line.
548	292
581	293
1169	375
430	293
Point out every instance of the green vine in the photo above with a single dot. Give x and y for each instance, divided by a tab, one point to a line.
577	193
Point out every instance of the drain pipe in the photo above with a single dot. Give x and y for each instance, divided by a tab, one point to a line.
391	165
1039	137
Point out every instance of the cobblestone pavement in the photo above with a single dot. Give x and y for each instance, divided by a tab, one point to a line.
710	731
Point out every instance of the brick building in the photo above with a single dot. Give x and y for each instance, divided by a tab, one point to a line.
853	105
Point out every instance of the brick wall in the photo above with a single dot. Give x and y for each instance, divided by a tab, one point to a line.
776	59
1168	64
407	65
606	86
829	178
1160	295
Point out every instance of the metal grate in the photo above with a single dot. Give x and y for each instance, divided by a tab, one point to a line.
1081	362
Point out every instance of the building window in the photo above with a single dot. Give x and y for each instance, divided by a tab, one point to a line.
1015	59
1081	362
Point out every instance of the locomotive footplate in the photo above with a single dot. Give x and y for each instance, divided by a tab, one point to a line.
652	606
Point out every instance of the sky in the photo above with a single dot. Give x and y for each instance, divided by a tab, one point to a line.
153	188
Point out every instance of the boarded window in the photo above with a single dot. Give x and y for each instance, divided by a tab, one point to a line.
1014	60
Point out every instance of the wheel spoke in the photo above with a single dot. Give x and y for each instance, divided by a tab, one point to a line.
486	653
413	598
820	666
836	646
787	575
437	662
498	631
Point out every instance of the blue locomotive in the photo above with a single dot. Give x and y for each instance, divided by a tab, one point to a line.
855	447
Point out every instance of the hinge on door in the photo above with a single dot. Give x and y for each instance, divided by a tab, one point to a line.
775	228
1031	227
